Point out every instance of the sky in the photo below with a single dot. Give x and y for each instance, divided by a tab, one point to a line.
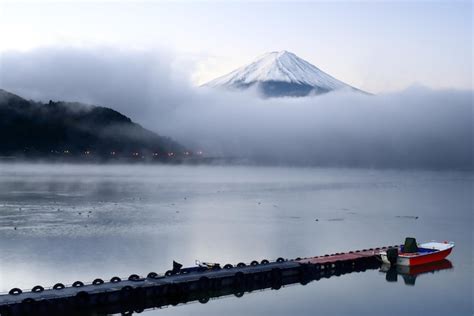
377	46
147	59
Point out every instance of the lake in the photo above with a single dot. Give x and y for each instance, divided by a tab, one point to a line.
62	223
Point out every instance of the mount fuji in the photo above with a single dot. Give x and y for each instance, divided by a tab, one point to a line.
280	74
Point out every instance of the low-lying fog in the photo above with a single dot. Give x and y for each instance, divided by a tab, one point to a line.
417	127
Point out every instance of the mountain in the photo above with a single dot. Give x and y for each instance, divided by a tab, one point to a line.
33	129
279	74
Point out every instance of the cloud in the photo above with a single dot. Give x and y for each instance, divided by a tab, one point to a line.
417	127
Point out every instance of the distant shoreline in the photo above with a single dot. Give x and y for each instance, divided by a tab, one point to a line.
210	161
122	160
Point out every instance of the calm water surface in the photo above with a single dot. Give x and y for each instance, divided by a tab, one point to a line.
62	223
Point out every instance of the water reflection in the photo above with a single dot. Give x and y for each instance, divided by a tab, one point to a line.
409	274
148	298
83	222
129	300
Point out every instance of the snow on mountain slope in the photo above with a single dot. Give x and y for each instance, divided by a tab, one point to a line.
280	74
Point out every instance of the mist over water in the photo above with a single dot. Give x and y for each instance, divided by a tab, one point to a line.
414	128
62	223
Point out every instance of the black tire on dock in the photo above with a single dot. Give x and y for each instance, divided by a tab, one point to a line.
97	282
134	277
228	266
265	261
78	284
15	291
152	275
37	289
240	265
58	286
169	273
254	263
115	279
280	260
239	294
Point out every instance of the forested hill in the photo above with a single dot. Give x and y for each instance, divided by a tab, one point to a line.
30	128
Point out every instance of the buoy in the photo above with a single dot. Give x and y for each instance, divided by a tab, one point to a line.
37	289
98	282
58	286
78	284
133	277
15	291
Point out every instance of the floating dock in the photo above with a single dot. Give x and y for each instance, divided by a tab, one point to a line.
136	293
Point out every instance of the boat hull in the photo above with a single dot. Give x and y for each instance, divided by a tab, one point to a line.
440	252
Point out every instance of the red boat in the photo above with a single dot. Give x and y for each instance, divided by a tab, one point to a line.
412	254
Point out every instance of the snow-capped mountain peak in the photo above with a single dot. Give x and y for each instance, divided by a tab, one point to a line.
280	73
